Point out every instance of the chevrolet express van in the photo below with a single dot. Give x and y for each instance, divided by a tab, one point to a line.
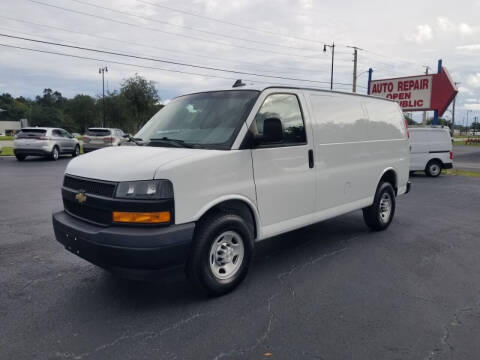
430	150
212	173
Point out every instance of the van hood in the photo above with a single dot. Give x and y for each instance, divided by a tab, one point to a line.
127	163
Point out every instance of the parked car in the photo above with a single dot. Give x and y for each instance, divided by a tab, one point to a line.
430	150
97	138
44	141
219	171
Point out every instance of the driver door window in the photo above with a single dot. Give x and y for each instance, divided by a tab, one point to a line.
286	108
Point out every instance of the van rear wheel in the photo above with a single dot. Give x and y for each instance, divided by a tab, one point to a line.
221	253
379	215
433	168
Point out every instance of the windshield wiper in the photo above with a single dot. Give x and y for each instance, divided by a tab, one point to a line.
177	142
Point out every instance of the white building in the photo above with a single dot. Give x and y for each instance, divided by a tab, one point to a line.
9	127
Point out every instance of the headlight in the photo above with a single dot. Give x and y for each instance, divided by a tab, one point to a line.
144	190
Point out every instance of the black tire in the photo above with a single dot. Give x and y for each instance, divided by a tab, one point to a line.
375	215
76	151
433	168
207	236
55	154
20	157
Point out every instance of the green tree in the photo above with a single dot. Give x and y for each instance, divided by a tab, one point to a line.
118	112
142	97
46	116
410	121
81	112
441	121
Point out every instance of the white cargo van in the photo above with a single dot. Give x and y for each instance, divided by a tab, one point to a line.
430	150
218	171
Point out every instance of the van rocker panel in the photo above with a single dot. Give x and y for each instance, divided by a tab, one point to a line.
143	248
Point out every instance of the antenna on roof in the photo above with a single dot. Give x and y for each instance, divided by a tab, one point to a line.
238	83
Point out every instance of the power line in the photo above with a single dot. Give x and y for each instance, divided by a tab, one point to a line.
189	27
142	66
131	43
245	27
164	31
160	60
255	29
144	45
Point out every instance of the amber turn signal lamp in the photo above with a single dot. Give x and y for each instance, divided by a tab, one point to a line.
142	217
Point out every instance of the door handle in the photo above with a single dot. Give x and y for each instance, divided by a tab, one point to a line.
311	161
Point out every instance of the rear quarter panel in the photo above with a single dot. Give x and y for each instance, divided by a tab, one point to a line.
356	140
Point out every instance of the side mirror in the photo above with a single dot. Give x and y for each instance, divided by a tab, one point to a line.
272	131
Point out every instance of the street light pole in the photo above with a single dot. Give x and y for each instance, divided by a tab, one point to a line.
333	56
103	71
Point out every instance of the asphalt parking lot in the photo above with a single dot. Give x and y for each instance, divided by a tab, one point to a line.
467	157
331	291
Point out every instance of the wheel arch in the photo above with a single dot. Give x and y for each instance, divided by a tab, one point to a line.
242	205
434	159
389	175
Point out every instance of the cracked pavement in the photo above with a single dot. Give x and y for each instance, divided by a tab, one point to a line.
330	291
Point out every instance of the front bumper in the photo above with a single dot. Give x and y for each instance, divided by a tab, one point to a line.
124	247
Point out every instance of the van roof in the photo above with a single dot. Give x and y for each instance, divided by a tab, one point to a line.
262	88
429	128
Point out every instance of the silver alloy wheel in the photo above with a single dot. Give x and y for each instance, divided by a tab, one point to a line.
226	255
55	153
435	169
77	150
385	207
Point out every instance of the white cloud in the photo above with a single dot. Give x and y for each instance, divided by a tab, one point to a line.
445	24
422	34
464	90
474	80
472	106
471	47
465	29
471	100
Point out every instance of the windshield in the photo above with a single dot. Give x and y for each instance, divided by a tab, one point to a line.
208	120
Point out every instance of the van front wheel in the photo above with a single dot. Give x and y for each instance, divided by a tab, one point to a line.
379	215
221	253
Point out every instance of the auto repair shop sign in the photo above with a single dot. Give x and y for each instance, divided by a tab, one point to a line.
412	93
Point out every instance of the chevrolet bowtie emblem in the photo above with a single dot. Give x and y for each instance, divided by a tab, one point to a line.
80	197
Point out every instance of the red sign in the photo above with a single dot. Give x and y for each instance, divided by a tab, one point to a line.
427	92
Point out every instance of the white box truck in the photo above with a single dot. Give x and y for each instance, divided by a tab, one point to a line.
218	171
430	150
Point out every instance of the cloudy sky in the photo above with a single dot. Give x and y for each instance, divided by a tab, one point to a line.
276	38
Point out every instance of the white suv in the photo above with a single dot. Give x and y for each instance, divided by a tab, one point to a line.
43	141
219	171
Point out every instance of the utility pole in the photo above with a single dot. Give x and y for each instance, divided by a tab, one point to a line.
424	122
333	56
468	112
355	58
453	110
103	71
